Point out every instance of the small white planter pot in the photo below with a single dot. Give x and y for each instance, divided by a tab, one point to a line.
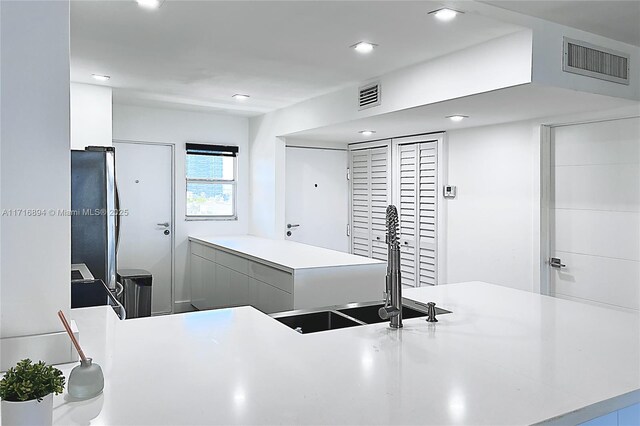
28	413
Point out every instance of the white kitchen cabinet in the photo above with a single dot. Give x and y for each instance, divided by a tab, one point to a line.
196	282
278	275
239	288
220	291
268	298
230	280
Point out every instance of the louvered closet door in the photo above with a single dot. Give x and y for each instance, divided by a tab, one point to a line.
369	200
417	200
408	189
379	201
428	199
361	202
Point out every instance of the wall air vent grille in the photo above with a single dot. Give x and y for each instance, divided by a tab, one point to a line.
369	95
594	61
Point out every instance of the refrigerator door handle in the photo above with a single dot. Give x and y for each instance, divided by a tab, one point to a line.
117	216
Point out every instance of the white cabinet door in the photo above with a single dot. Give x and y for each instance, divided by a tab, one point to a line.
221	294
209	283
196	281
238	289
202	280
269	299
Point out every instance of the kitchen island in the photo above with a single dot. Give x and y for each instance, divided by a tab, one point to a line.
277	275
502	356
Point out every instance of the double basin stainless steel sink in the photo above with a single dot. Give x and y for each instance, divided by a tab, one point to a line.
354	314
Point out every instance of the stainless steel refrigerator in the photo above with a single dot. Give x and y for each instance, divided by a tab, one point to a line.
95	221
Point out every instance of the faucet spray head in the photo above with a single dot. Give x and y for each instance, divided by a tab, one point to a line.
393	238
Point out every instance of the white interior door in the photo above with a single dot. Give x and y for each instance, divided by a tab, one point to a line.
317	197
594	212
144	175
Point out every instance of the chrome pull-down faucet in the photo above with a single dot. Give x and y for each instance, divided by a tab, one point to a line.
392	308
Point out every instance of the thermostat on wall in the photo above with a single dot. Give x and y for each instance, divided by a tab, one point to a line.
449	191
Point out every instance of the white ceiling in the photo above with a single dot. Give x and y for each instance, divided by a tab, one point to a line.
197	54
500	106
618	20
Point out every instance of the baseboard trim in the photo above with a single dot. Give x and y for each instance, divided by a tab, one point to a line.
52	348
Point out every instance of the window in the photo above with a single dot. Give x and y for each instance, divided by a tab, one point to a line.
211	181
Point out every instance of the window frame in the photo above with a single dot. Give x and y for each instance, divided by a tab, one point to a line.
214	151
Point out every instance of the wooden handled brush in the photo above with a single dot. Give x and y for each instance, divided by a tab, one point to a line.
71	336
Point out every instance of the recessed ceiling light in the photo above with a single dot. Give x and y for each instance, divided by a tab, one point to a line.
149	4
445	14
240	97
367	132
457	117
100	77
364	47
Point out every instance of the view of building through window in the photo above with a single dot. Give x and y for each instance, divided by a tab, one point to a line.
210	185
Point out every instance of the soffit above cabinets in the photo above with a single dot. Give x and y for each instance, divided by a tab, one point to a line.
524	102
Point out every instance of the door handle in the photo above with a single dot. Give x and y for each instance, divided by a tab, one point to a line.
556	262
165	224
115	185
289	226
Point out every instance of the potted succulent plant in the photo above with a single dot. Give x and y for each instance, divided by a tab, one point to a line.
27	392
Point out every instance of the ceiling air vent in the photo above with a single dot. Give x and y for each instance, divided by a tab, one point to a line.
369	95
594	61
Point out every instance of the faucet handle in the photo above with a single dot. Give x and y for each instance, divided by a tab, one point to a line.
387	312
431	312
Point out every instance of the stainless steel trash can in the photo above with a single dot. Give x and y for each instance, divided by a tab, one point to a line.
136	295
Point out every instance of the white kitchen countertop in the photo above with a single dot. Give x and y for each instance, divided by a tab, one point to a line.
503	356
288	254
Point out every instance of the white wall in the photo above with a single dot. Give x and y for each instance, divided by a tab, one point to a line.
35	167
267	184
493	230
492	223
498	63
135	123
90	115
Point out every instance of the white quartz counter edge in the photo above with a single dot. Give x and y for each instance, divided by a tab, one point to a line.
284	255
486	363
594	411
